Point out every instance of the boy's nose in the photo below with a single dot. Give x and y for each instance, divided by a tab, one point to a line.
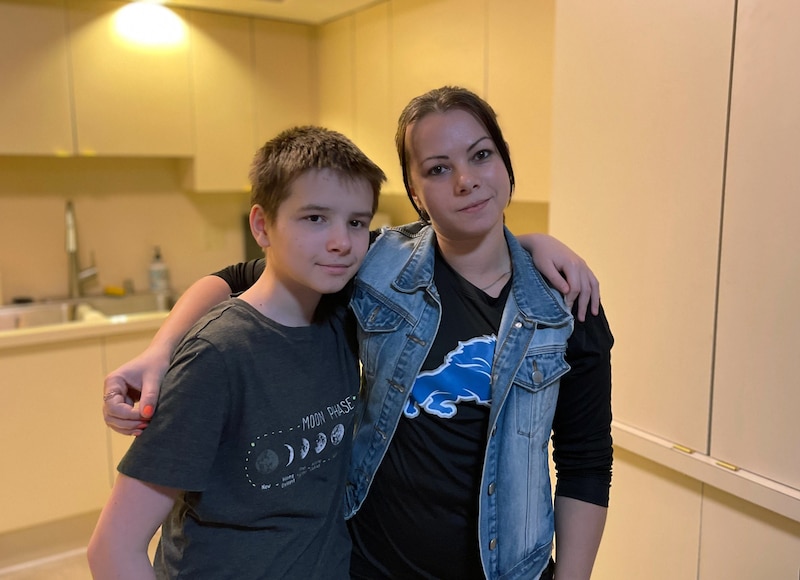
339	239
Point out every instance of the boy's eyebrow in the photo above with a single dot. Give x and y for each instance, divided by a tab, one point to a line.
470	148
315	207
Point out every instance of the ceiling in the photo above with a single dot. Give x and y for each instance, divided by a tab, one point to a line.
307	11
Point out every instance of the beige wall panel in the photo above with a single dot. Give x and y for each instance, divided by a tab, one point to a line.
222	83
129	99
52	443
639	124
375	121
284	72
756	395
35	111
653	525
336	76
740	540
520	88
436	42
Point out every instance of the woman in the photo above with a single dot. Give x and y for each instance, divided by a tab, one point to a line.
463	347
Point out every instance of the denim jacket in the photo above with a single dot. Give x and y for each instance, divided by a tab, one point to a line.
398	311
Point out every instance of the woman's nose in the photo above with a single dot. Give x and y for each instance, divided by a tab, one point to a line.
467	181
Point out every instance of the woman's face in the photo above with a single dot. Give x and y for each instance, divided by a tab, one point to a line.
456	174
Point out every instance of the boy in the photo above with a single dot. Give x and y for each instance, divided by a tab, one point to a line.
246	458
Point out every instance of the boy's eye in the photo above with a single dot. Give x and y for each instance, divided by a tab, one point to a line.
314	218
358	224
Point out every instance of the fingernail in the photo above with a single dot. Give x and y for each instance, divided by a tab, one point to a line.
147	412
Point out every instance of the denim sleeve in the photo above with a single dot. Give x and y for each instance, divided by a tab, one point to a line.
242	275
582	445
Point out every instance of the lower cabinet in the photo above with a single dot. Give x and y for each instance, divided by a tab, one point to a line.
53	452
58	457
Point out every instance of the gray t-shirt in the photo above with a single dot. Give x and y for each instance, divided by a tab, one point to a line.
255	422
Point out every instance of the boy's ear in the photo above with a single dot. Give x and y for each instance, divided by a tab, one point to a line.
258	225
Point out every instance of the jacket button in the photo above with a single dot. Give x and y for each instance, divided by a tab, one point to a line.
517	325
493	543
491	488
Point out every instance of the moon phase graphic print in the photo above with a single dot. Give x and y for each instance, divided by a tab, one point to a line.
280	458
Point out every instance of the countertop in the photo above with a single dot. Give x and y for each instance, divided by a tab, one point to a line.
111	326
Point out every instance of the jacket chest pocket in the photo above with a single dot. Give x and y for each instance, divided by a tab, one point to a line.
535	392
378	325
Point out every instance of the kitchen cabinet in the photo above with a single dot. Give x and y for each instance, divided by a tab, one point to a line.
119	350
224	114
523	102
35	102
283	71
53	450
130	100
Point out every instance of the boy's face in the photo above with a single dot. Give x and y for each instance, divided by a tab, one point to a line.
321	233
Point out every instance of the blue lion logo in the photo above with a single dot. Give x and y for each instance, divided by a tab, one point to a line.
465	375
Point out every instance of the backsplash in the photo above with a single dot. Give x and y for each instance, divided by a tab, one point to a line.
123	208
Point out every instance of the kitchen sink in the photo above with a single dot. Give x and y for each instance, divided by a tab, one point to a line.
32	314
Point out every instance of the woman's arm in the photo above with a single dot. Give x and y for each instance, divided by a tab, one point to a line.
140	378
565	270
135	510
579	528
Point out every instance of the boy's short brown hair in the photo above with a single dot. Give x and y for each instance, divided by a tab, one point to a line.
300	149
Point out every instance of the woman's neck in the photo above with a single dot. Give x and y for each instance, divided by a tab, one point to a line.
485	262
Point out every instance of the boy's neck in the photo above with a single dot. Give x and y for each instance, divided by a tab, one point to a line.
279	303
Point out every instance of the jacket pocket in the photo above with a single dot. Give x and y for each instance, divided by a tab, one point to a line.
536	391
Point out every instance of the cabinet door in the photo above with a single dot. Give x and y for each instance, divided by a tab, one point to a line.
53	449
284	66
34	100
119	350
224	117
520	88
130	99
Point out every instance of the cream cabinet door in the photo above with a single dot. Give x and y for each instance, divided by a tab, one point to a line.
130	100
118	350
52	437
224	117
35	111
284	69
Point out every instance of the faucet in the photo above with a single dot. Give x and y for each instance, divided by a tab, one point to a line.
76	276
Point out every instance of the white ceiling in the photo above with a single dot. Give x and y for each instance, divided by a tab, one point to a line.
308	11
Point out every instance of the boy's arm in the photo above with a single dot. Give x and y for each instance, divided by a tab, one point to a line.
579	528
565	270
140	378
129	520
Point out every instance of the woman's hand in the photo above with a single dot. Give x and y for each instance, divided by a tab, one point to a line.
565	270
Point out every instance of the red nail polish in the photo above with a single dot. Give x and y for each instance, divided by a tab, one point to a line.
147	412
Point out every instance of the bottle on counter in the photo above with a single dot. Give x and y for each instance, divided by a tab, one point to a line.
159	280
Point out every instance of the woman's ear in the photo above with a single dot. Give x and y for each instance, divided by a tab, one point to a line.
258	225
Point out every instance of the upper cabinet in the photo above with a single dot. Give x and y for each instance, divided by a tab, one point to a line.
35	101
224	116
130	99
284	69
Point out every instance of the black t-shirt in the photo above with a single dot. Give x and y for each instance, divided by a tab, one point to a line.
420	518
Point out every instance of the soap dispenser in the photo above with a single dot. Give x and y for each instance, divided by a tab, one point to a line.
159	280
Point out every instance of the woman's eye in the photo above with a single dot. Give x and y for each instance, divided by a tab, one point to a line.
482	154
436	170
